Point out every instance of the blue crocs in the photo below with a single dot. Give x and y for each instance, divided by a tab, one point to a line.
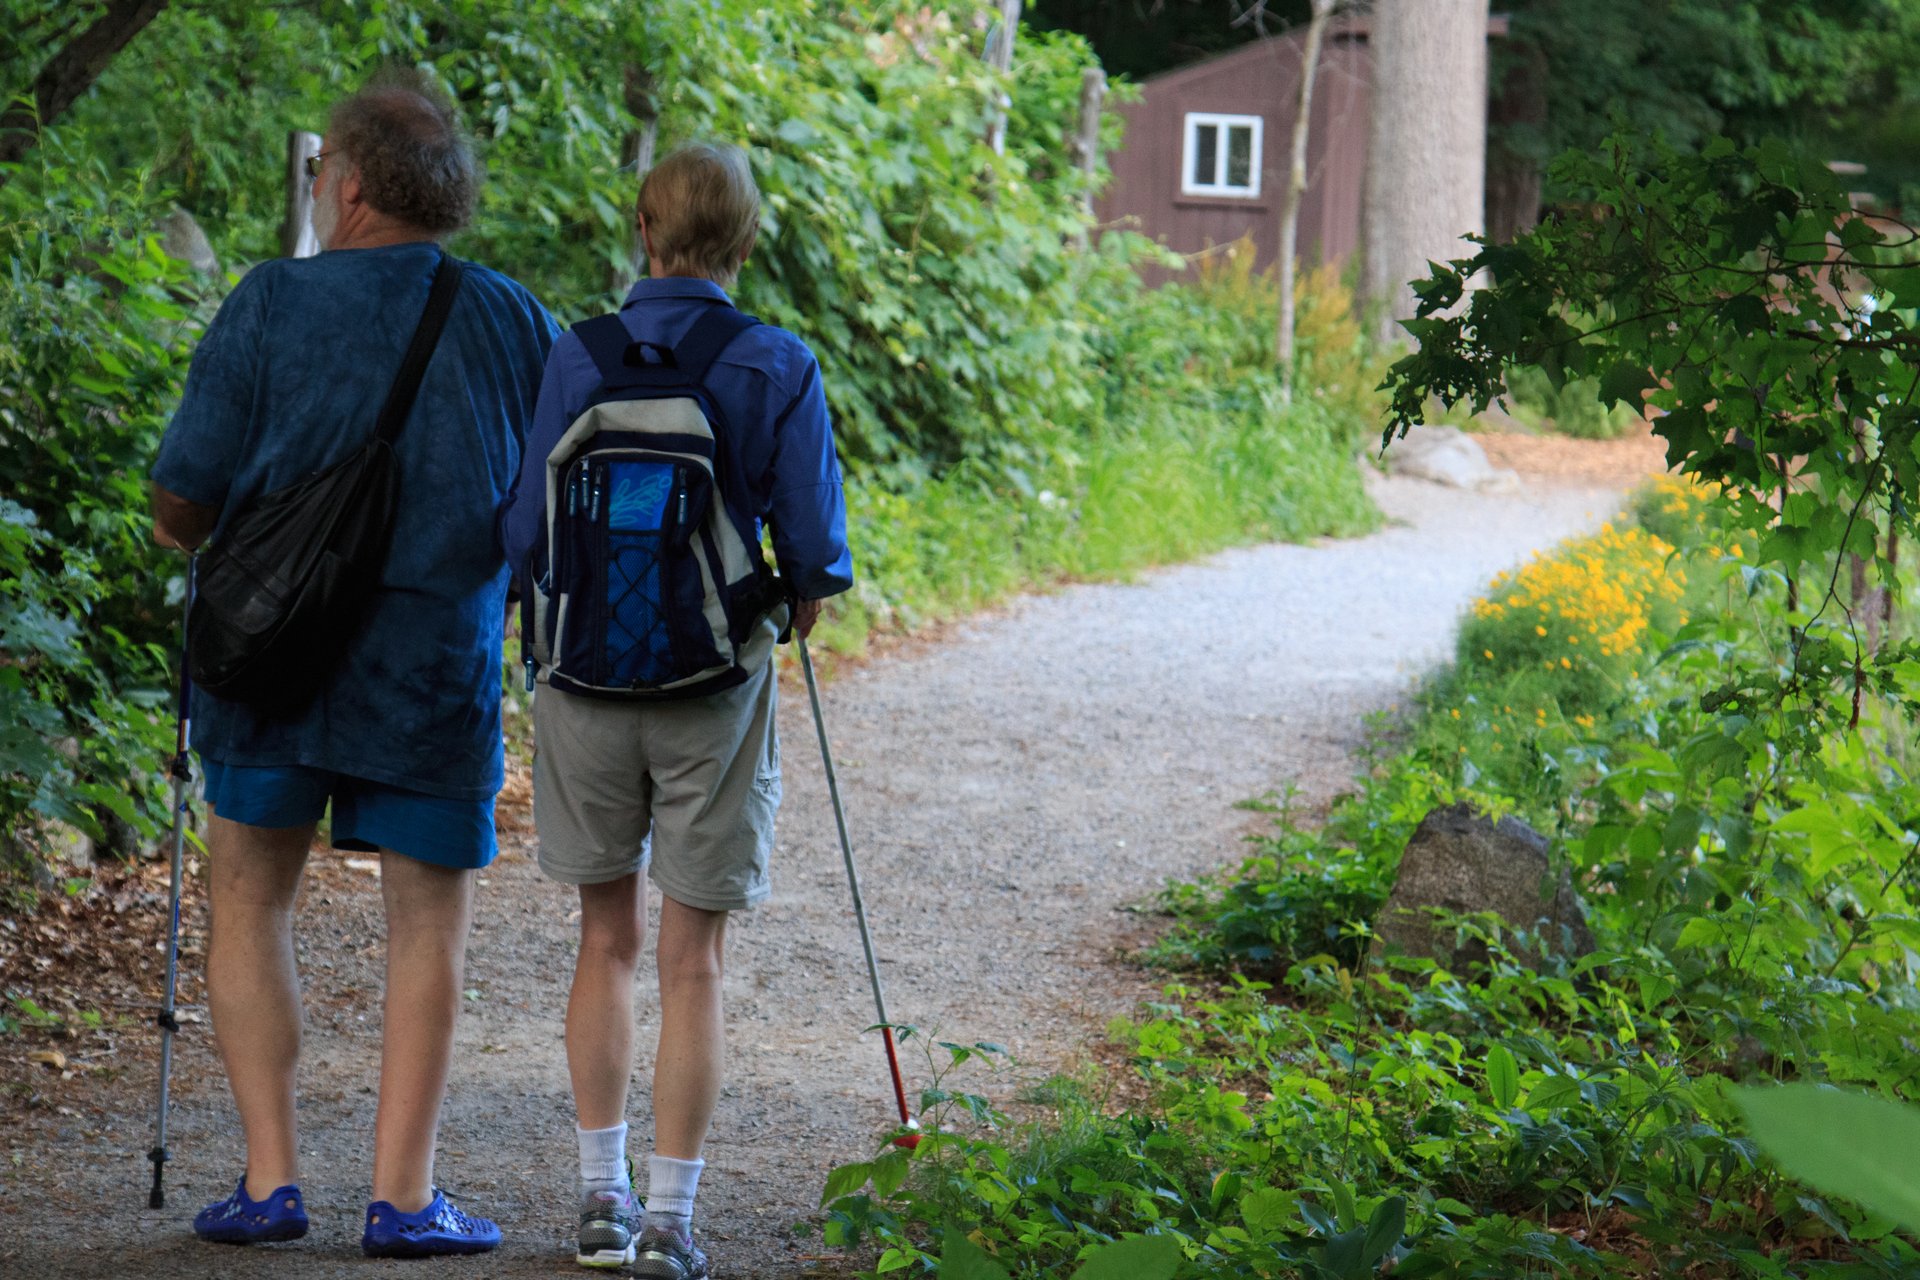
435	1230
239	1219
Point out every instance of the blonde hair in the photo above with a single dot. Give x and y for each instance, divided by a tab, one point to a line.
701	209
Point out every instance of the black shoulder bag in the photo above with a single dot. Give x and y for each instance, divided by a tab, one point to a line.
284	587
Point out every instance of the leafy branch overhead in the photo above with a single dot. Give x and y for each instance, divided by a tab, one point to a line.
70	72
1767	325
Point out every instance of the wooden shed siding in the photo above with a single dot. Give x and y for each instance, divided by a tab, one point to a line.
1262	80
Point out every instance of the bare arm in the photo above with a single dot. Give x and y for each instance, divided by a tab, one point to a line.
179	523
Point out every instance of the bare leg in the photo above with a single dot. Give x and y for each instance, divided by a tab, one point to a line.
429	910
613	927
253	990
688	1067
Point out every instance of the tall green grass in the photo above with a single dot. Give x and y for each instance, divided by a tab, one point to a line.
1190	447
1163	495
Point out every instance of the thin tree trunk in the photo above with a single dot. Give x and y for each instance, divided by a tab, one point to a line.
70	73
1000	58
1892	588
1083	149
1297	189
1427	145
637	148
1516	120
1871	603
297	238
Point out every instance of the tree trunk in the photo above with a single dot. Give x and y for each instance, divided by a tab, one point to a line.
1297	188
643	104
1083	149
1427	145
1000	58
297	239
70	73
1516	120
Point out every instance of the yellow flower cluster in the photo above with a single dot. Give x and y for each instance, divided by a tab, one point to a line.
1596	593
1677	495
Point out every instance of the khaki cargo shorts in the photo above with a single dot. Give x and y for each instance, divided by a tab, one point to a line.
686	789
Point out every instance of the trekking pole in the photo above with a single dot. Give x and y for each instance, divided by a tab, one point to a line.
859	908
182	770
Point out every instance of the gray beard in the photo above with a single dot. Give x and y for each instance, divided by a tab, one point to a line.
326	217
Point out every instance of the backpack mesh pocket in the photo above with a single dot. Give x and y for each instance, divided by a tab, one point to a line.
637	636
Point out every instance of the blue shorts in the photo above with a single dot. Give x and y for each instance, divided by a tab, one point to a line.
367	816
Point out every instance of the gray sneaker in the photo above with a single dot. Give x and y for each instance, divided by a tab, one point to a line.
606	1229
661	1254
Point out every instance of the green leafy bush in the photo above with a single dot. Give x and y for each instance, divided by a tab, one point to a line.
95	330
1573	408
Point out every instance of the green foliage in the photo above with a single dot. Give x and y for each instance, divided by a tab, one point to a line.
1830	75
95	329
1302	893
1846	1144
1530	1113
937	281
1572	409
1143	40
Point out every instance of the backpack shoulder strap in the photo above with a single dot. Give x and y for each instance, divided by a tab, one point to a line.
426	336
624	362
606	340
710	335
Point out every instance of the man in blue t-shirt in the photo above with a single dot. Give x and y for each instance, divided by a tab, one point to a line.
403	739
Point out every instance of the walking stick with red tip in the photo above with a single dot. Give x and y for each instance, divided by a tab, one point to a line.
911	1137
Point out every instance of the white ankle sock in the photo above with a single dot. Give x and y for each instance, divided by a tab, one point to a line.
670	1187
603	1158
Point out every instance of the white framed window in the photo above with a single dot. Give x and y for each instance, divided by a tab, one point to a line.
1221	156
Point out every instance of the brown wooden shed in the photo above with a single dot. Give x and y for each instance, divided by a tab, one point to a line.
1204	157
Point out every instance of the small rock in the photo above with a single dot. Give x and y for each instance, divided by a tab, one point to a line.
69	845
1463	863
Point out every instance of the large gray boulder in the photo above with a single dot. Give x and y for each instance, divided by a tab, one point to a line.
1448	456
1463	862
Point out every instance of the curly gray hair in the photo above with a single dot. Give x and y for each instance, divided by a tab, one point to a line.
403	135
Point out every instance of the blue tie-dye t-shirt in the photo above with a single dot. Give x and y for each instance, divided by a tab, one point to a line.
288	381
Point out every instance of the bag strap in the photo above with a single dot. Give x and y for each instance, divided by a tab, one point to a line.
623	362
711	334
426	336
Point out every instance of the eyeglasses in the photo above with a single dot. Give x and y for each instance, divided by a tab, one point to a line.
313	164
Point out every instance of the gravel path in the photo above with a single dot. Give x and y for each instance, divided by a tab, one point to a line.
1008	788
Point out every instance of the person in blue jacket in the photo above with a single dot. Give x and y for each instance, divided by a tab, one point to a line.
686	790
403	739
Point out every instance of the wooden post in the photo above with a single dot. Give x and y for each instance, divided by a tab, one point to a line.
297	239
1000	57
1297	190
1084	147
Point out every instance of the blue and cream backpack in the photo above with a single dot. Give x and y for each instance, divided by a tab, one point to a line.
647	579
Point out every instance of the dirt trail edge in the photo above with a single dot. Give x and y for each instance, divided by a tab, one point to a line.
1008	791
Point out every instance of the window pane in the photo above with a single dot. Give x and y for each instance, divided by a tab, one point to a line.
1206	155
1240	155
